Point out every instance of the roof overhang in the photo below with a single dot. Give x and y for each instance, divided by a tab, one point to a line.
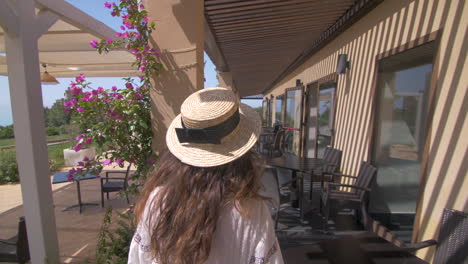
261	41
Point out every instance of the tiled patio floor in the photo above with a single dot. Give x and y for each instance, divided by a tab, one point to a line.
77	233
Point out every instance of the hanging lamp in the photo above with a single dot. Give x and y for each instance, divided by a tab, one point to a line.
46	78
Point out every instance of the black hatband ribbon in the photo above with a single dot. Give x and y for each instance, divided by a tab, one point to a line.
208	135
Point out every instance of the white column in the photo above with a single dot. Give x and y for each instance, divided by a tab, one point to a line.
180	38
31	147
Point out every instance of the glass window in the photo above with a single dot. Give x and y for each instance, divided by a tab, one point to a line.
279	110
400	131
325	119
293	120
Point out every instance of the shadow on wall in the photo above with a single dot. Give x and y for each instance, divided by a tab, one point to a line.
456	138
175	82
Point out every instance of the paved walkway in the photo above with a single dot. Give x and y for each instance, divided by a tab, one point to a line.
77	233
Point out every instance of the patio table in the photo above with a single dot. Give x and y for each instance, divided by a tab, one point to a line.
363	248
297	164
61	177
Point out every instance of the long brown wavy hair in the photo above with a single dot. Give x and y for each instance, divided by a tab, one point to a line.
188	204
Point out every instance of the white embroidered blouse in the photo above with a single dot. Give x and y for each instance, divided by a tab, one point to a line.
237	240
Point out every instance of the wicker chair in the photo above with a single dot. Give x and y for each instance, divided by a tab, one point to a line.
380	230
452	243
354	198
16	249
115	184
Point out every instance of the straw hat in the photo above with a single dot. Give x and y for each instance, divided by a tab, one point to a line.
213	128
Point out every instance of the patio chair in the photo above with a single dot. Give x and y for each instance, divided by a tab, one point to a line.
381	231
332	157
115	184
451	244
278	189
276	147
265	141
16	249
352	196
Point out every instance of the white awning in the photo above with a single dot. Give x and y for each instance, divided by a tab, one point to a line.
65	50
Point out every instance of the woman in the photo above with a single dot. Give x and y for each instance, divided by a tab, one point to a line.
202	204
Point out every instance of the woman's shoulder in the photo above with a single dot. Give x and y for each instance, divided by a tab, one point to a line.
247	210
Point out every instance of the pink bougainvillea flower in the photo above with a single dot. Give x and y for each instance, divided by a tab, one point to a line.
138	96
78	138
125	34
67	110
78	147
109	41
113	13
142	6
80	163
142	68
118	34
94	43
114	88
108	5
119	161
100	89
107	162
86	158
80	110
94	92
80	78
122	27
146	19
70	177
67	104
76	91
118	96
129	86
88	141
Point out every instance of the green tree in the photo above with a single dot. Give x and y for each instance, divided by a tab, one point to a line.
55	116
7	132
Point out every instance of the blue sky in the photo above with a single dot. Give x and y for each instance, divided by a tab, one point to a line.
50	93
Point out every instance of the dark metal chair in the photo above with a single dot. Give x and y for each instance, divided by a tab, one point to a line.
352	196
16	249
276	146
332	158
280	192
115	184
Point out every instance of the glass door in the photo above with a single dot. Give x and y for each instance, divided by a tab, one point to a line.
325	119
293	120
400	130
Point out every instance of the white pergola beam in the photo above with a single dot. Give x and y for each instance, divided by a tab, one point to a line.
8	18
45	19
29	128
77	18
